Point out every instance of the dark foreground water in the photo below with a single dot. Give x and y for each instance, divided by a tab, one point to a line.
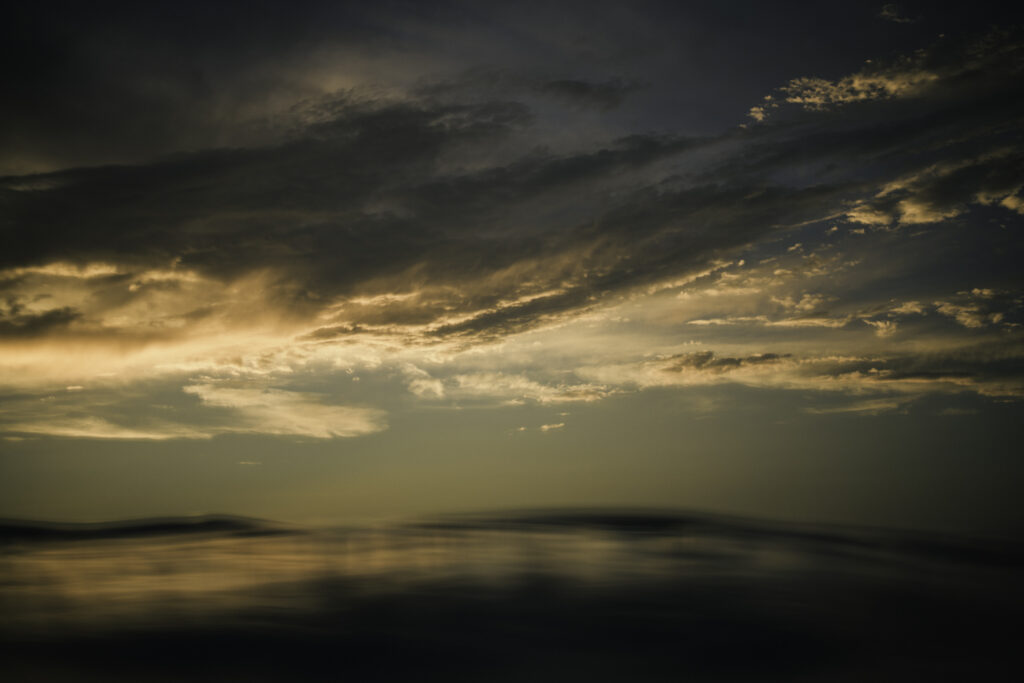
555	596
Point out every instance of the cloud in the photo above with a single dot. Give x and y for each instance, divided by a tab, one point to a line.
517	388
993	369
602	95
422	384
808	321
981	307
278	412
894	13
945	190
871	84
708	361
883	328
14	324
908	308
383	235
944	76
430	220
869	407
99	428
988	369
106	413
606	95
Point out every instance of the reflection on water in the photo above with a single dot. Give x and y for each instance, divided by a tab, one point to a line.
542	596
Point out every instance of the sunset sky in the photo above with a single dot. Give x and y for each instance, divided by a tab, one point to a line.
334	261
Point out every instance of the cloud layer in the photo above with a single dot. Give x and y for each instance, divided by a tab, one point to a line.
413	228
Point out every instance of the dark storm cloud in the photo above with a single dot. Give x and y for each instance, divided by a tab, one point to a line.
15	324
369	192
707	360
514	318
235	209
116	82
603	95
352	201
360	196
651	236
990	368
113	82
607	95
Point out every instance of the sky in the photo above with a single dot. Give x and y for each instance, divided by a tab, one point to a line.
320	262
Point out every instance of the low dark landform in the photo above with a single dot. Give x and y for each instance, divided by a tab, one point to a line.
592	595
14	531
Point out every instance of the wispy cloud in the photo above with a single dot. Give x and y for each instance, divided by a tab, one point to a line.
273	411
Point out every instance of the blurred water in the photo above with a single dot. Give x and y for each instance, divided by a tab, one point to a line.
596	595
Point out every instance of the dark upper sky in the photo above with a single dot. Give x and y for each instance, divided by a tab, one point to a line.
325	260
